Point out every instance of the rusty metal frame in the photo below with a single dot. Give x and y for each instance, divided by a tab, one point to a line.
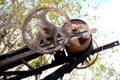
23	74
23	55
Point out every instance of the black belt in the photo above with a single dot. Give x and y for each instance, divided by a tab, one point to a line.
69	66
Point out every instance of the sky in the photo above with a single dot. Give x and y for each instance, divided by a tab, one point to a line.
108	24
109	18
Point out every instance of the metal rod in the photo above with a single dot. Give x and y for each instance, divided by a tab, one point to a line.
16	58
107	46
29	66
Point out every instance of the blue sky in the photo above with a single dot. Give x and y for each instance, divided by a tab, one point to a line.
109	17
101	2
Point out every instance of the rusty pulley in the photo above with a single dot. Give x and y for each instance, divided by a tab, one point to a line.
82	37
42	30
80	42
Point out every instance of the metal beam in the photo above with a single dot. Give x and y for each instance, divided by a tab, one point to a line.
16	58
40	69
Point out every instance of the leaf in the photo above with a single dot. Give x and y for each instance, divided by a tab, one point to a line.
2	1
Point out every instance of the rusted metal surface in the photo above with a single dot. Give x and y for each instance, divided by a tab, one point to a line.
23	74
47	30
80	43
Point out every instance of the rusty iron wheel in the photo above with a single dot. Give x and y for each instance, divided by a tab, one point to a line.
49	37
91	59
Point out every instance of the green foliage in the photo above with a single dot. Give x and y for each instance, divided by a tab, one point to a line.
38	62
2	2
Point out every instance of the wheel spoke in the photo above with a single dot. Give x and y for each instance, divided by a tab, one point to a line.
46	39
